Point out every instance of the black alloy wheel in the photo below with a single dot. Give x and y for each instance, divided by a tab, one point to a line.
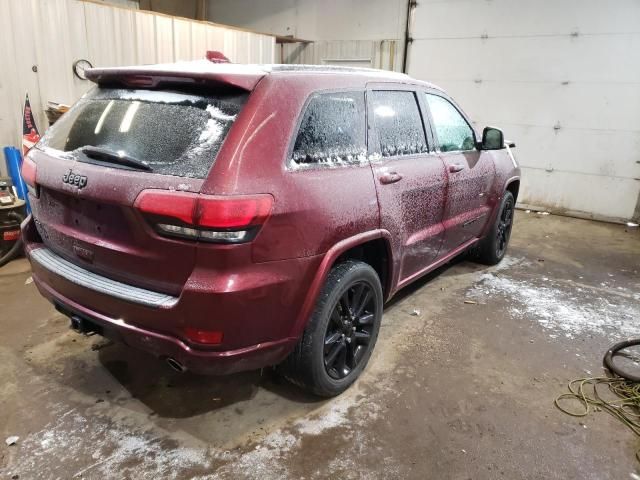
493	247
349	330
505	222
341	333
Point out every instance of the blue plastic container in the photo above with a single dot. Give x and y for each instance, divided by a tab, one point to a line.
13	159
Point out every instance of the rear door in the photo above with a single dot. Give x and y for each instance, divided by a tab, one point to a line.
410	180
470	171
114	143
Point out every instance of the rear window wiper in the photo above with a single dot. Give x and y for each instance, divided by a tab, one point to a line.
109	156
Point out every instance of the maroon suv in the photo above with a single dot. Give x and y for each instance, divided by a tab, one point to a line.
228	217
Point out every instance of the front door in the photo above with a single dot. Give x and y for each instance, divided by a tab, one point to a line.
470	172
410	181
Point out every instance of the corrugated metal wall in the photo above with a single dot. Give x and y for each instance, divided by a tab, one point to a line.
385	54
41	39
122	3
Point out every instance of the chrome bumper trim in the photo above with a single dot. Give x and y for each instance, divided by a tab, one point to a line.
78	275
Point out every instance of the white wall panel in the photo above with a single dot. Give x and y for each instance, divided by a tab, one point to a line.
145	38
111	37
236	46
550	190
590	152
216	41
182	40
8	103
254	49
561	78
473	18
589	58
268	48
314	20
25	79
199	38
578	105
50	22
134	4
164	39
52	34
385	54
77	25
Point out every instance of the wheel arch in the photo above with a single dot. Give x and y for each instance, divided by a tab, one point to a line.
366	247
513	185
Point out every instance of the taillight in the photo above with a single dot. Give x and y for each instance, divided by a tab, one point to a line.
28	173
208	337
209	218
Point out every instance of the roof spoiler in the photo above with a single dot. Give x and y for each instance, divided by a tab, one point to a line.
200	72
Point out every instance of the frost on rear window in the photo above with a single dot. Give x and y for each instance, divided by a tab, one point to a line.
398	123
174	133
332	131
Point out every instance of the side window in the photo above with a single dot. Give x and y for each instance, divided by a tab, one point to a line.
398	123
453	131
332	130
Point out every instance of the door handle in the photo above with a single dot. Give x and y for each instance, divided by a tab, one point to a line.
391	177
456	167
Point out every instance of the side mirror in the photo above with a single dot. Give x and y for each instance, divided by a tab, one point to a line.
492	139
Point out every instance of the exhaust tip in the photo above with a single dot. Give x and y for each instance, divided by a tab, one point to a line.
176	365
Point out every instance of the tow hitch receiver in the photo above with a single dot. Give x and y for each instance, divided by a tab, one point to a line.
83	326
79	324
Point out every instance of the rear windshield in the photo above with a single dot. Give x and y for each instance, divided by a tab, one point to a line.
171	132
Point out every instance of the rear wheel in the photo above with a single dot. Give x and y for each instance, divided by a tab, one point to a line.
341	333
493	247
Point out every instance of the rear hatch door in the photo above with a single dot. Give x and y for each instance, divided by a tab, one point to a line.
114	143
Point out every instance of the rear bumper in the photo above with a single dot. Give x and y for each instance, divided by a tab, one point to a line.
255	306
165	346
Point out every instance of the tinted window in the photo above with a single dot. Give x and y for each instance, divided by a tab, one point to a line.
174	133
398	123
453	131
332	130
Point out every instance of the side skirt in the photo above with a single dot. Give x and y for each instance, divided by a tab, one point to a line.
454	253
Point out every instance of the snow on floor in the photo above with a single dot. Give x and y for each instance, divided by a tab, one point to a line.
133	451
73	437
565	307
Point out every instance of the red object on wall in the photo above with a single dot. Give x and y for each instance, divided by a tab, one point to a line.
30	135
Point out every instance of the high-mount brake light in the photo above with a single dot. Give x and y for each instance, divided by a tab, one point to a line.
216	57
139	81
208	218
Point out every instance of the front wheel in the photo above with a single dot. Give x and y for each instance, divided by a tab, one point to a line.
341	334
493	247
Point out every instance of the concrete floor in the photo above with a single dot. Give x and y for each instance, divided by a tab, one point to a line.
461	390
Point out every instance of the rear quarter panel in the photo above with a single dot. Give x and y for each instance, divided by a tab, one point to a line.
507	169
314	208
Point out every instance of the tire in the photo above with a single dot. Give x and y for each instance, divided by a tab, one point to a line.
337	333
608	359
493	247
